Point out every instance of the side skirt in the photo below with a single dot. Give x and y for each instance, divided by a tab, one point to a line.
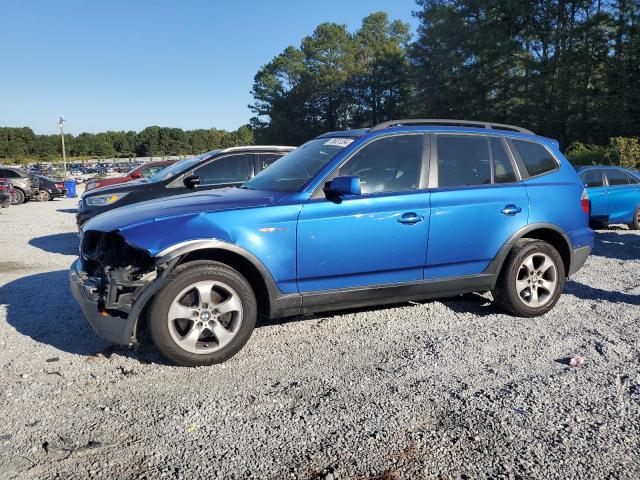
340	299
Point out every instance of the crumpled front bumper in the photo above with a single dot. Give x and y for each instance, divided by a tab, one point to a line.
111	328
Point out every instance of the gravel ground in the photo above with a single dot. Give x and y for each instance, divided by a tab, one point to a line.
438	389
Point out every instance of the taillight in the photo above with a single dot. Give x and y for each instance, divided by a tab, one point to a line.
586	203
3	188
60	185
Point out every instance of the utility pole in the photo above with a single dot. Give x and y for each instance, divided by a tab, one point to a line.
64	155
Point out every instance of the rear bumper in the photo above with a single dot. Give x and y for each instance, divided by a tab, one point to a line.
111	328
578	259
582	241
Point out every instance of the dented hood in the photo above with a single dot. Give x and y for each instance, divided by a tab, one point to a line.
181	205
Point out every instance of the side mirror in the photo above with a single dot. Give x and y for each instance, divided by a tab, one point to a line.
342	186
136	175
191	181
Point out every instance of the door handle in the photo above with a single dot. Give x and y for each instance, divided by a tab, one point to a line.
410	218
604	193
511	210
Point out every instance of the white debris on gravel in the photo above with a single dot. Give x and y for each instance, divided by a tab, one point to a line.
439	389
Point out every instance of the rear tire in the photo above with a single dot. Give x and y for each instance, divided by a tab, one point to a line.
635	223
531	279
43	196
204	315
18	197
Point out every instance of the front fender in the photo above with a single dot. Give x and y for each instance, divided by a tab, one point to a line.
160	234
266	236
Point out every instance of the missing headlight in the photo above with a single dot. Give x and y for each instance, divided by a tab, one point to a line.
108	251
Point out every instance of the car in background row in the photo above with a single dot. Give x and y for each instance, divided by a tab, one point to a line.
614	194
6	192
145	170
407	210
46	188
229	167
21	182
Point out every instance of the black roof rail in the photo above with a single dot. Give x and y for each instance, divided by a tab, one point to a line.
447	122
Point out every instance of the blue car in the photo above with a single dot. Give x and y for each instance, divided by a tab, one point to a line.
614	193
406	210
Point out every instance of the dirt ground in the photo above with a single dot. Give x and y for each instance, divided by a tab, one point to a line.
439	389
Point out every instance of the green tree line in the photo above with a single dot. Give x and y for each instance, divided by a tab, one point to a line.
566	69
22	144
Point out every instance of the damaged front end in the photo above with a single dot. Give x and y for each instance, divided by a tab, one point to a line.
112	281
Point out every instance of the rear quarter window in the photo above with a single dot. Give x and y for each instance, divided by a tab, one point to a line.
536	158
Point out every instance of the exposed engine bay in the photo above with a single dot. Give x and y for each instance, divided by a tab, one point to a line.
116	272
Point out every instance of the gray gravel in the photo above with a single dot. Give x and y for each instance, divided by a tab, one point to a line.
439	389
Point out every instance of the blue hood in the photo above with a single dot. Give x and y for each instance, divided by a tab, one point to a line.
191	204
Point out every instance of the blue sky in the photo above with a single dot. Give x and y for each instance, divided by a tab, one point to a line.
125	65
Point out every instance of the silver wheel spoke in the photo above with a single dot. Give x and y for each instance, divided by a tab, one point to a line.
545	265
547	285
529	264
521	285
204	292
232	304
190	340
178	310
533	300
223	335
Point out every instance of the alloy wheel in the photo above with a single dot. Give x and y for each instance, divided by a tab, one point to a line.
204	317
536	280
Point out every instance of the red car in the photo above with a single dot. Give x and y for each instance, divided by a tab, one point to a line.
143	171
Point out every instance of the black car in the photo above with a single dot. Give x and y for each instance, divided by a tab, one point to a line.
47	188
228	167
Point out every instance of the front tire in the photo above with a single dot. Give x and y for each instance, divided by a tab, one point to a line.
204	315
531	279
635	223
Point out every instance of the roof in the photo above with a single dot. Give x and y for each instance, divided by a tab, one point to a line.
451	122
605	167
256	147
433	124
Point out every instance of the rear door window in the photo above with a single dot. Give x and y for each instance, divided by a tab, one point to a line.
230	169
616	177
592	178
463	160
537	159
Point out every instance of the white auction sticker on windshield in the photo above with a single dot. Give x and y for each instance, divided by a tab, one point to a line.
339	141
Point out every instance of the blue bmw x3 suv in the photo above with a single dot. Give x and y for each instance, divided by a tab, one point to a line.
614	193
409	209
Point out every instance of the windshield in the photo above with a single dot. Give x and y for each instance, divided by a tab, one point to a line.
295	169
177	168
